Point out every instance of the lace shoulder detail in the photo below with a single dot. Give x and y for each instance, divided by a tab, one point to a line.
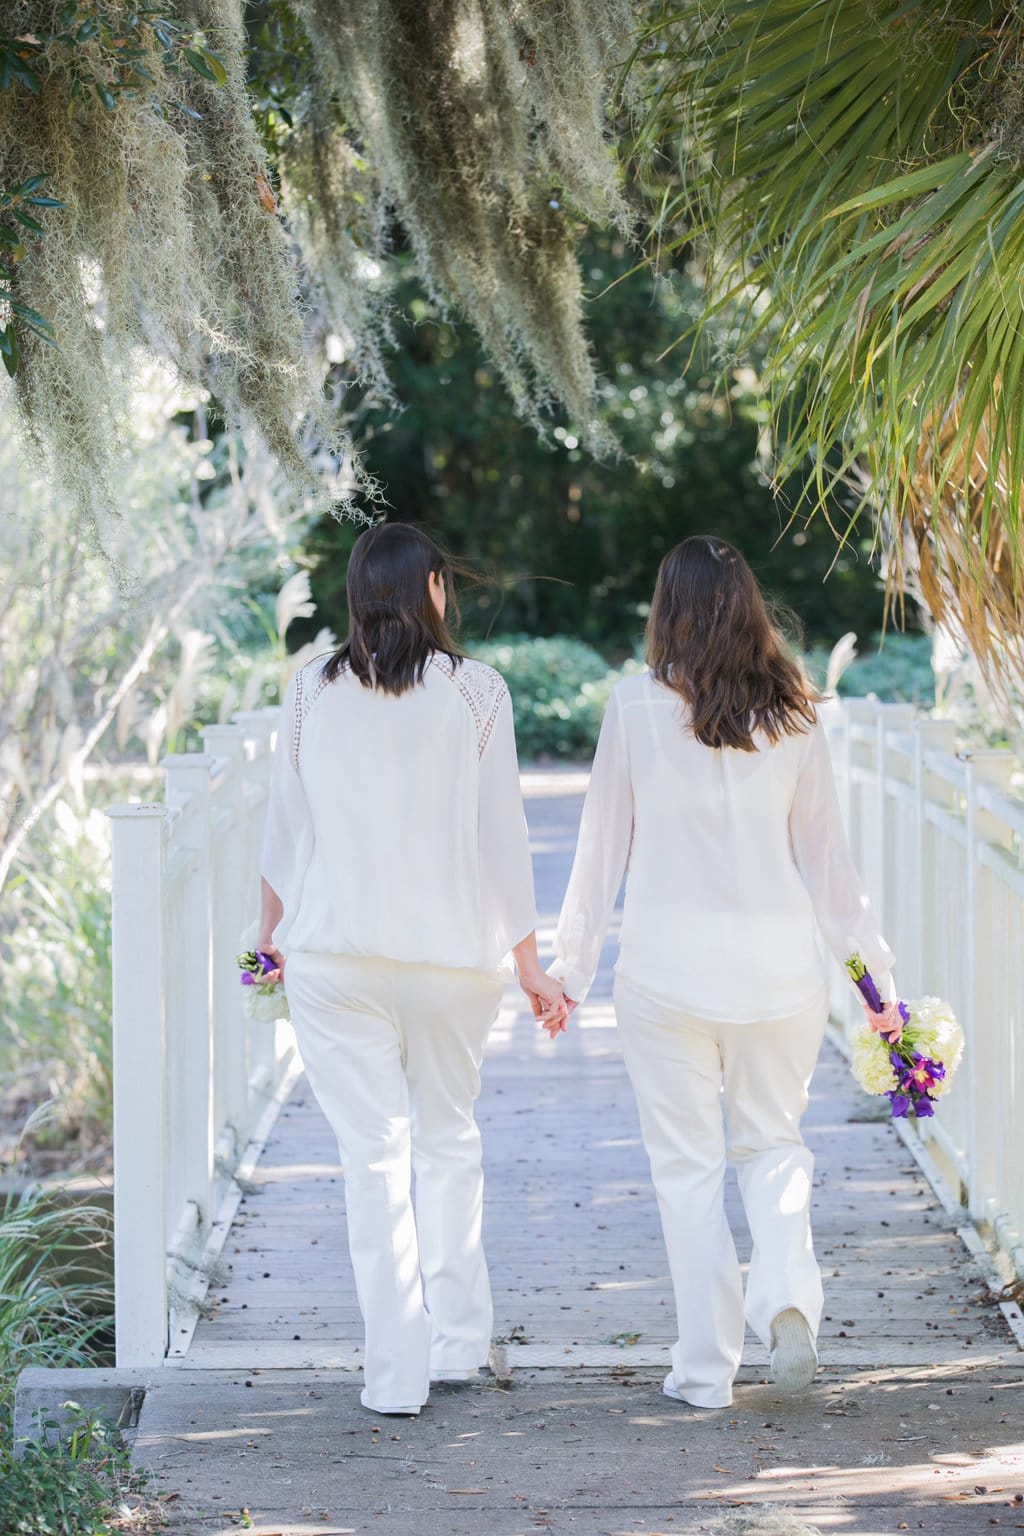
310	683
483	689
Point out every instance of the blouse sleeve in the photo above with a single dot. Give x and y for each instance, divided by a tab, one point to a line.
506	868
827	869
602	853
288	831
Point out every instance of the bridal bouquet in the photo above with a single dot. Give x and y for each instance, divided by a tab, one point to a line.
264	1000
915	1068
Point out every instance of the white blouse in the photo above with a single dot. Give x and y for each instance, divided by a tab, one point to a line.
395	826
731	857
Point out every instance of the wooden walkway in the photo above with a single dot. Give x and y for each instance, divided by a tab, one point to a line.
571	1227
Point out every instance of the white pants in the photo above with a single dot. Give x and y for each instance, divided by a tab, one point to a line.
393	1054
678	1065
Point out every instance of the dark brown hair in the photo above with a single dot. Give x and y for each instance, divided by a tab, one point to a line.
712	638
393	626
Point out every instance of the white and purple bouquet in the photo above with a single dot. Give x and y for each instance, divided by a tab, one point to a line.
911	1054
264	999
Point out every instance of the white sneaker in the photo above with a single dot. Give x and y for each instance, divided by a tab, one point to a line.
405	1413
794	1359
669	1389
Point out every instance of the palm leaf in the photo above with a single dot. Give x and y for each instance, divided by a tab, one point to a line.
848	165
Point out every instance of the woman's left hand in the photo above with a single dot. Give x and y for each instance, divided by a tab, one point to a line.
546	999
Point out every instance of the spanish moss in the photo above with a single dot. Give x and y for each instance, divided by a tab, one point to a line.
484	124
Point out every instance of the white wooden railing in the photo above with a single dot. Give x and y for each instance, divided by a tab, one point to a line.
939	839
195	1081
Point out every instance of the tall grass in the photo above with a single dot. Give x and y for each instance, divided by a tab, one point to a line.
81	1484
48	1316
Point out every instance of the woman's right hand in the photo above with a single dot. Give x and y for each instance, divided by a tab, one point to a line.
888	1023
546	999
272	953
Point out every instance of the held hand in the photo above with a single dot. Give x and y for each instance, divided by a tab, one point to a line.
546	1001
888	1024
273	953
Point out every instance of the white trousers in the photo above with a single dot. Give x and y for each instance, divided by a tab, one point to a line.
393	1054
679	1066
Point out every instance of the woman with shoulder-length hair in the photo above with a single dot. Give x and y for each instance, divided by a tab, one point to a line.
396	878
712	783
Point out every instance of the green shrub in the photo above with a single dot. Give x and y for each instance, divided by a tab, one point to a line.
75	1487
896	668
559	691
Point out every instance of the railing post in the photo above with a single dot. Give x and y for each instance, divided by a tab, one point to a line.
891	717
188	787
984	767
140	1084
258	726
860	826
929	736
231	912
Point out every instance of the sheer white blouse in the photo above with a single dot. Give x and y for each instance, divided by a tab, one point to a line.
395	826
731	858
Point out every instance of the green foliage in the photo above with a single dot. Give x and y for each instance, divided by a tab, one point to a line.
559	691
51	1316
129	42
575	544
855	172
75	1487
47	1318
15	220
896	667
484	123
166	241
128	39
55	1019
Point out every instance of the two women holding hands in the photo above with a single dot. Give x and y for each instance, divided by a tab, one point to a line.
397	877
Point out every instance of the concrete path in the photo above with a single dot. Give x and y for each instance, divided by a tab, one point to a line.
918	1405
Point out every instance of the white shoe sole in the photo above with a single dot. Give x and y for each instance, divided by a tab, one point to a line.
794	1358
405	1413
473	1375
668	1390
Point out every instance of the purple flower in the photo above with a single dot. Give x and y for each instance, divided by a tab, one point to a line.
265	961
900	1104
247	979
923	1107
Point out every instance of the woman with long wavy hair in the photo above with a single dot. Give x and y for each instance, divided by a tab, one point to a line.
712	786
396	878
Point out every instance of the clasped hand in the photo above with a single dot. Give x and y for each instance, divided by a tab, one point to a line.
551	1008
888	1023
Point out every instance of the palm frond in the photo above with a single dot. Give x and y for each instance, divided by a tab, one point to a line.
854	171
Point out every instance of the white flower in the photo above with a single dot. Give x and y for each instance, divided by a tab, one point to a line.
870	1061
934	1031
265	1006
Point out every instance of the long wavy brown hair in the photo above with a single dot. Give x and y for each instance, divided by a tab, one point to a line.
393	626
712	638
